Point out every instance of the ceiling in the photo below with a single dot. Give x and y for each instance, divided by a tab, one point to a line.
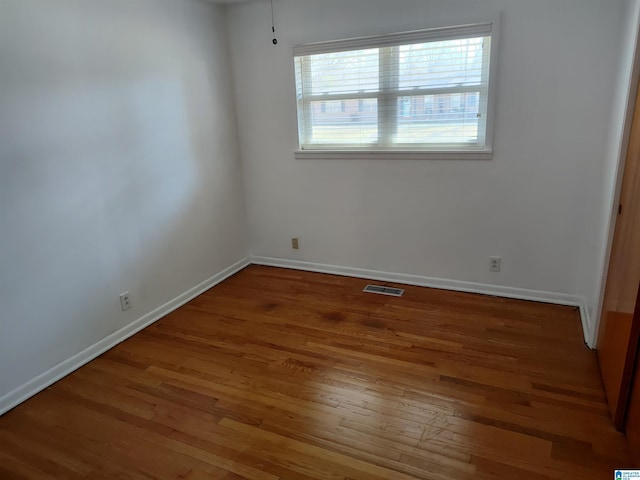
229	1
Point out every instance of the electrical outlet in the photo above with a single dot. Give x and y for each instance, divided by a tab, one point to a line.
495	264
125	301
294	244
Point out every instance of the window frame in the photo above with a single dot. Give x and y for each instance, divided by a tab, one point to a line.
439	151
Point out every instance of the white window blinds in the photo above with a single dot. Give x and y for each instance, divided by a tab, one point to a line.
416	91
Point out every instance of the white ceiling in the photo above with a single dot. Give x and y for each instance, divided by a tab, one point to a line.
229	1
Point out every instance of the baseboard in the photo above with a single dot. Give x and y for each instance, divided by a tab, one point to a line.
432	282
588	327
22	393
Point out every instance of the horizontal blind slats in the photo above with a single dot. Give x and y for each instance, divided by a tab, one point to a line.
422	91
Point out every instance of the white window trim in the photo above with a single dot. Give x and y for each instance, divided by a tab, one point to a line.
393	155
438	153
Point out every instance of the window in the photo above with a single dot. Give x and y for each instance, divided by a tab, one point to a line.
425	93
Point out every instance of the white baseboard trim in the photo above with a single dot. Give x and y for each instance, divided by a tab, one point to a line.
42	381
588	328
444	284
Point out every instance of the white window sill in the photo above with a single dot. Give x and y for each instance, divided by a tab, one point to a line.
393	155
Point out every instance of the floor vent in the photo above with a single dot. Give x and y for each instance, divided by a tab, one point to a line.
393	292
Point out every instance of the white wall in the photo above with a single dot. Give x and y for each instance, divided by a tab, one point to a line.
531	204
119	168
610	177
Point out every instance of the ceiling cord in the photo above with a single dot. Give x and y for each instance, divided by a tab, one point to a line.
273	25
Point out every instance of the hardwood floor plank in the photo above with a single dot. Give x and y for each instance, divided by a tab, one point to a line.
282	374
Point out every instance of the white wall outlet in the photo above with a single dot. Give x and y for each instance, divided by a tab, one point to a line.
295	243
495	264
125	301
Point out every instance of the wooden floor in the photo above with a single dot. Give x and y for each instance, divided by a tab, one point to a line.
283	374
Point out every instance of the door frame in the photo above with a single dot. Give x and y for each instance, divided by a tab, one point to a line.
631	367
623	148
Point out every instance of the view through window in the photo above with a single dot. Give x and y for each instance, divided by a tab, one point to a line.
421	95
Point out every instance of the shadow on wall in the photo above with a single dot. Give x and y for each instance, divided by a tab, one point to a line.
114	175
